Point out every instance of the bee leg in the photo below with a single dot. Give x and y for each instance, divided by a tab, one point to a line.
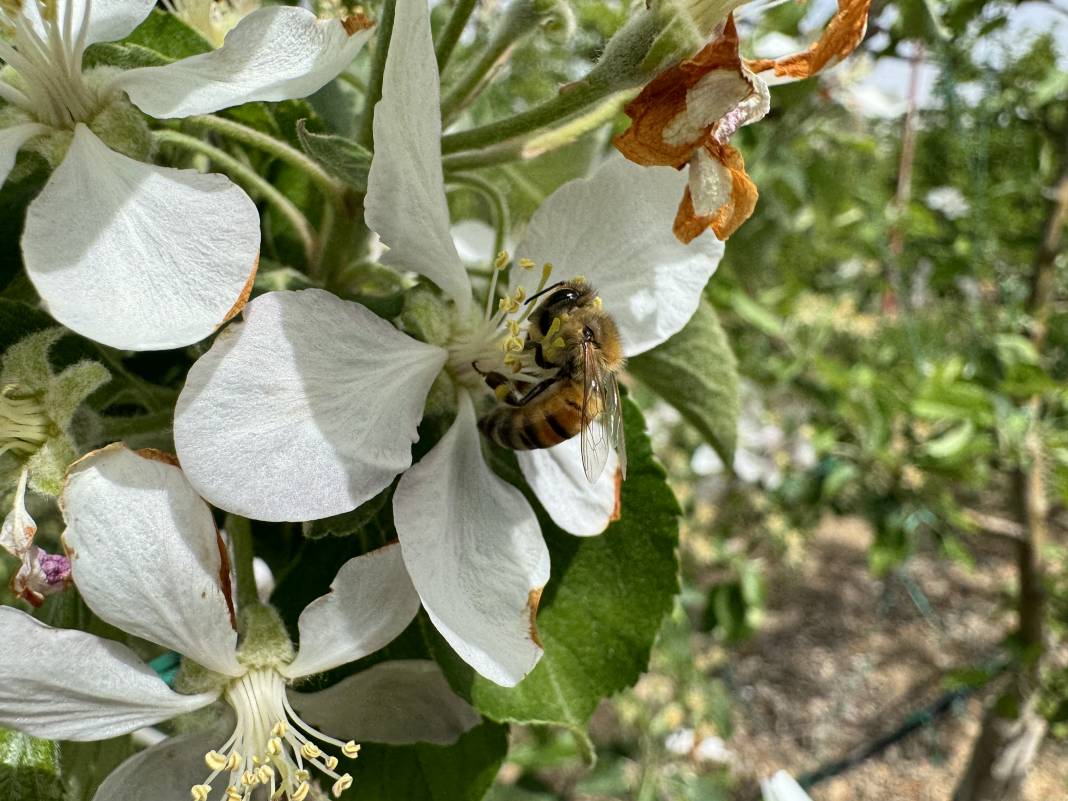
534	392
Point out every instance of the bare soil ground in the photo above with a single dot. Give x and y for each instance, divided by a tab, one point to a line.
844	658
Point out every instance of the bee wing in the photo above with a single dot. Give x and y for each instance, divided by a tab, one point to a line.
612	417
595	438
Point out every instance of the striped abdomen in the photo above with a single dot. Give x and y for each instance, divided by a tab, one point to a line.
549	419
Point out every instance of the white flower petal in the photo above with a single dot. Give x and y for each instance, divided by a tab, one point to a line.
782	787
475	553
166	771
274	53
405	203
650	282
306	409
11	141
70	685
109	20
558	479
146	556
370	602
137	256
401	702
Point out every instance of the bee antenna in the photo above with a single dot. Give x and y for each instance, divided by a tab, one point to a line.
537	295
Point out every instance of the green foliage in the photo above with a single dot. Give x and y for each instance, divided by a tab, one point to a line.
459	772
601	610
29	768
696	372
342	158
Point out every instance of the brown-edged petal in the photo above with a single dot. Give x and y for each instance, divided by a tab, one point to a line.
840	38
719	196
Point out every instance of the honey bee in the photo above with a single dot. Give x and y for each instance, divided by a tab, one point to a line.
570	333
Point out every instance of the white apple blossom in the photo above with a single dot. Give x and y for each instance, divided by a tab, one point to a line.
146	558
127	253
782	787
310	406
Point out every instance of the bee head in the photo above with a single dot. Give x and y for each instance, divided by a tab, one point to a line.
561	299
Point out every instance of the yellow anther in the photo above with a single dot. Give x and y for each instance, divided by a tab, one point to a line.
214	760
301	792
234	761
350	749
501	392
274	746
256	760
310	751
520	295
513	345
248	779
301	775
343	783
502	260
233	794
330	762
527	264
265	773
279	729
513	327
200	792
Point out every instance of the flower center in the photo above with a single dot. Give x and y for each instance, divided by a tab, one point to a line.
47	55
271	747
212	19
496	342
24	426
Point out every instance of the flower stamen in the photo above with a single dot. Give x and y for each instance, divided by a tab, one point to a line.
278	744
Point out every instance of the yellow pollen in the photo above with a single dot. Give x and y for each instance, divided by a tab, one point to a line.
215	760
350	749
343	783
310	751
527	264
501	262
248	779
200	792
501	392
274	746
597	302
301	792
559	343
554	328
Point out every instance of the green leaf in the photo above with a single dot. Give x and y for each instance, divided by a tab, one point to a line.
347	523
696	372
463	771
160	39
341	157
603	605
950	444
29	768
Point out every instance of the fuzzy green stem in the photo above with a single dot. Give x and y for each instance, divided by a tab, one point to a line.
365	135
570	101
498	205
240	531
450	34
275	147
251	180
519	20
116	428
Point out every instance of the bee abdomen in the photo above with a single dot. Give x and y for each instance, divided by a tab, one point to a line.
530	429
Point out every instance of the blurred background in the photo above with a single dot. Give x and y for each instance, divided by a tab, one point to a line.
886	557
